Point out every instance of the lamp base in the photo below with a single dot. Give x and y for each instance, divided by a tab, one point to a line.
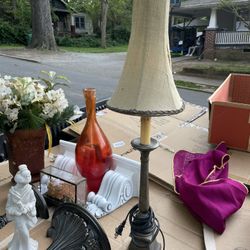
153	246
144	225
144	230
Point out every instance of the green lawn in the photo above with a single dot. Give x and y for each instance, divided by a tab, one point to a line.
11	46
218	69
195	86
122	48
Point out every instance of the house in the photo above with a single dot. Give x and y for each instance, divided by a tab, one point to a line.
186	33
68	21
226	36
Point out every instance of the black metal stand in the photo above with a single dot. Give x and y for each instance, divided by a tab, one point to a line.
73	227
144	226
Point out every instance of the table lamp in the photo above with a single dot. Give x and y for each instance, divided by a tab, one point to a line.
146	89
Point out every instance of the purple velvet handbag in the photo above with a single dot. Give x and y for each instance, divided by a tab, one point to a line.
202	182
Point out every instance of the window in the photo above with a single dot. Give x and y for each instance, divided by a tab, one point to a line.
175	3
80	22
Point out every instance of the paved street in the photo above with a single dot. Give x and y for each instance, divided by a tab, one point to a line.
101	71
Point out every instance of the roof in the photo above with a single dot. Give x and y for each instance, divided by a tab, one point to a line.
207	3
197	22
61	6
200	7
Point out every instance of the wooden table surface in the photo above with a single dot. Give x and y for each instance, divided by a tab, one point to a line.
181	230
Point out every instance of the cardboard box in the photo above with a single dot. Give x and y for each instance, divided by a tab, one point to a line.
187	130
181	230
229	118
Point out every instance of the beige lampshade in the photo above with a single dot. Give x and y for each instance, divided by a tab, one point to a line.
147	87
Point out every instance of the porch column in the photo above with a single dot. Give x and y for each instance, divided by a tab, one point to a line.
213	20
72	26
72	20
209	46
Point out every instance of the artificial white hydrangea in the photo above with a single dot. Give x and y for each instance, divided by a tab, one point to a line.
48	111
21	95
9	105
6	77
57	102
12	114
6	104
4	90
25	89
39	93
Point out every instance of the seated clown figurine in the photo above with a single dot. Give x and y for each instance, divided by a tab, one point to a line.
21	208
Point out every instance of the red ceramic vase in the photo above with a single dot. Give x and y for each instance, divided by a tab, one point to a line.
93	152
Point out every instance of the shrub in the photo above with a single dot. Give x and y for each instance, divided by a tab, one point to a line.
120	35
83	41
12	34
92	41
6	32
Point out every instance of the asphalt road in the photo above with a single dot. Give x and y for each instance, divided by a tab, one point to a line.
100	71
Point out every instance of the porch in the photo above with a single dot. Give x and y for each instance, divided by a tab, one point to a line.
224	29
232	38
227	45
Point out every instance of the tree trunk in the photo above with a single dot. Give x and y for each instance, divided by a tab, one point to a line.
42	29
104	15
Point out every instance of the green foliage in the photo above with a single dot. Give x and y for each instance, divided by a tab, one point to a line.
112	49
11	46
30	118
241	13
119	17
91	7
52	80
217	70
84	41
120	37
120	14
14	21
12	34
176	54
195	86
28	103
61	118
6	32
120	34
118	23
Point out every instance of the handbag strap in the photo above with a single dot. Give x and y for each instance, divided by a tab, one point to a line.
224	160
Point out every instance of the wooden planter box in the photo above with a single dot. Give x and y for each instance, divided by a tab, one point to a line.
229	113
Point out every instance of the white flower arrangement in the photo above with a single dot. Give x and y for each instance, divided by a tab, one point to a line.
27	103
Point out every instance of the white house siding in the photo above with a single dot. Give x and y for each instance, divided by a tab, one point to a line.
88	24
241	26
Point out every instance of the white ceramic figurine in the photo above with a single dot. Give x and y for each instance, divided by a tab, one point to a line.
21	208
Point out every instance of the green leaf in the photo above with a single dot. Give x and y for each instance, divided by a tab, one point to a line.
30	119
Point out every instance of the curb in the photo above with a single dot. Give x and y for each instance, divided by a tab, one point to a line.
20	58
194	89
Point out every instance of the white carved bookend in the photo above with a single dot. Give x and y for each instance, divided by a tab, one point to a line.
117	186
